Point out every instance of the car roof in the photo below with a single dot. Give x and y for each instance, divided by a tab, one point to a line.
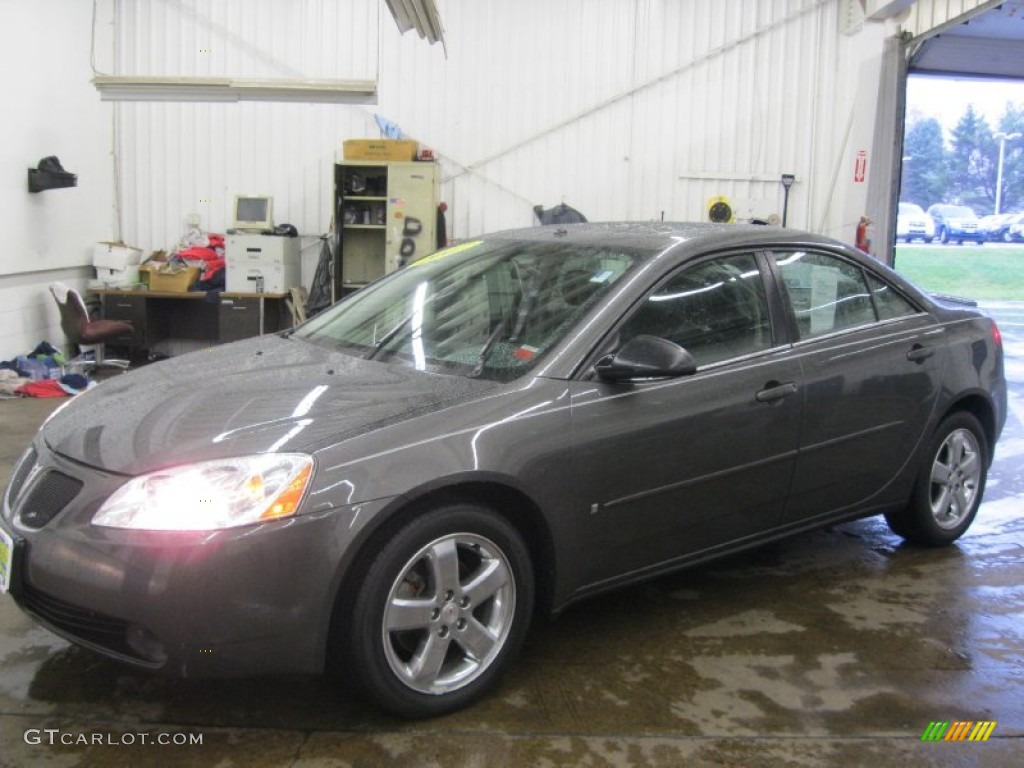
656	236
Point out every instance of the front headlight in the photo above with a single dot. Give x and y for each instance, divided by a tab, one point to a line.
211	494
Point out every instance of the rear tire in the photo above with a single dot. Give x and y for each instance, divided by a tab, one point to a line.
441	611
949	486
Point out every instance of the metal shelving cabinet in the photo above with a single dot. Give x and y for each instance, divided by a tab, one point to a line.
385	217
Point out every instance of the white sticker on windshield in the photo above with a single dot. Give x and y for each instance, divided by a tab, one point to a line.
602	277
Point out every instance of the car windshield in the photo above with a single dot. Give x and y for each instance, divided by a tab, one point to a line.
482	309
958	211
909	209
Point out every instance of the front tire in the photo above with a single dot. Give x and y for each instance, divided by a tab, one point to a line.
949	485
441	611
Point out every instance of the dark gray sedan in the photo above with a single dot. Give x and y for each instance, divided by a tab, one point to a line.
509	425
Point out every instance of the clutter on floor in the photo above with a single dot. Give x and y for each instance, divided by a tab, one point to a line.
43	372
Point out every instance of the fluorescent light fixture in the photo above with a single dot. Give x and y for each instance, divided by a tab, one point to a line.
225	89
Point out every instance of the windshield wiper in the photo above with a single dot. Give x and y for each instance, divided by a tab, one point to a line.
485	350
526	306
387	337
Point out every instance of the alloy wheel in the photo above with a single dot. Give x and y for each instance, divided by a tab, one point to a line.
449	613
955	478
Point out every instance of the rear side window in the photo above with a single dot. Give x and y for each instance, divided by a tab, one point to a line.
826	293
889	303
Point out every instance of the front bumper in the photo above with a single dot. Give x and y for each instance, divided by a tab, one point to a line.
240	601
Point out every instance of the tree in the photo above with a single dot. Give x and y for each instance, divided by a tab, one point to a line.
972	163
924	164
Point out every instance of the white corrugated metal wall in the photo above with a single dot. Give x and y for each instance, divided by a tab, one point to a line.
620	108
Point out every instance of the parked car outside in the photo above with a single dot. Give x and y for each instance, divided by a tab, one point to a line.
955	223
995	226
1015	229
511	424
912	223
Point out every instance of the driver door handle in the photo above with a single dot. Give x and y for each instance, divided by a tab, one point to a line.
919	353
776	390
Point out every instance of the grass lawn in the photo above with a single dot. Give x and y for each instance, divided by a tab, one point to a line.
987	272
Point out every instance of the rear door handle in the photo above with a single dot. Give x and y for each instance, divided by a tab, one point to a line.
919	353
775	390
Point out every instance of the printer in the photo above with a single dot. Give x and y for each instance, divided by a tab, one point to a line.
261	263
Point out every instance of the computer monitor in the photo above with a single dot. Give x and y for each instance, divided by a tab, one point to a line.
254	213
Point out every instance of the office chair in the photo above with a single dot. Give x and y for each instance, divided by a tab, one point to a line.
84	333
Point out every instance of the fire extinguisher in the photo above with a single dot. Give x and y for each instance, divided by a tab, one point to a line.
863	241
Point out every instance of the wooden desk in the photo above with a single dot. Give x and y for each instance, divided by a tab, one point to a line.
215	317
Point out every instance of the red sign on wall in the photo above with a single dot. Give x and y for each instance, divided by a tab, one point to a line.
860	166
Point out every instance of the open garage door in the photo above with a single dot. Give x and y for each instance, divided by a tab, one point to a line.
984	42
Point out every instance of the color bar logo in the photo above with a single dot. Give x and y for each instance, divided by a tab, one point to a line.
959	730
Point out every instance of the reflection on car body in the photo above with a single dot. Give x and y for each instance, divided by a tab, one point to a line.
509	425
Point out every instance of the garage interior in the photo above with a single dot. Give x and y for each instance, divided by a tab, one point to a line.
833	648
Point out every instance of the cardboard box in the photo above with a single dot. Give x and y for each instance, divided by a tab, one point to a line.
178	281
115	256
380	149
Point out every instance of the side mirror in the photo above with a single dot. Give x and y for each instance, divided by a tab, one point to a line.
646	357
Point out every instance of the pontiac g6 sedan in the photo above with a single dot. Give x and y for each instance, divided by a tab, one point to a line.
510	425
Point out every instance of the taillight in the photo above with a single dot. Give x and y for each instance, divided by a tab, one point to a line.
997	337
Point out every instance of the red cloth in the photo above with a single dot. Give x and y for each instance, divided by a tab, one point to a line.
44	388
197	252
214	258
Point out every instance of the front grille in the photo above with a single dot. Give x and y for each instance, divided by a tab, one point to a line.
21	472
51	493
94	628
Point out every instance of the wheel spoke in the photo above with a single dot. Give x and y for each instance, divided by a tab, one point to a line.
486	583
425	667
957	448
962	502
940	473
404	615
444	562
476	639
941	507
970	465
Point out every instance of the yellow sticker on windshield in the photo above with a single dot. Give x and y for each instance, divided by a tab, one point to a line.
445	252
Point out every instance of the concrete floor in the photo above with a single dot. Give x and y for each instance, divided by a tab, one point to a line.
835	648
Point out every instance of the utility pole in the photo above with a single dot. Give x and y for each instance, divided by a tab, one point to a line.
1002	138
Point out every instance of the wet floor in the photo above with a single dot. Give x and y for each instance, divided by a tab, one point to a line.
839	647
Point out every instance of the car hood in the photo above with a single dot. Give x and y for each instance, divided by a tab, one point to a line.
253	396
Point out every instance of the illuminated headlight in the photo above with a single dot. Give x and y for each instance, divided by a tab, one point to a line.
211	494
